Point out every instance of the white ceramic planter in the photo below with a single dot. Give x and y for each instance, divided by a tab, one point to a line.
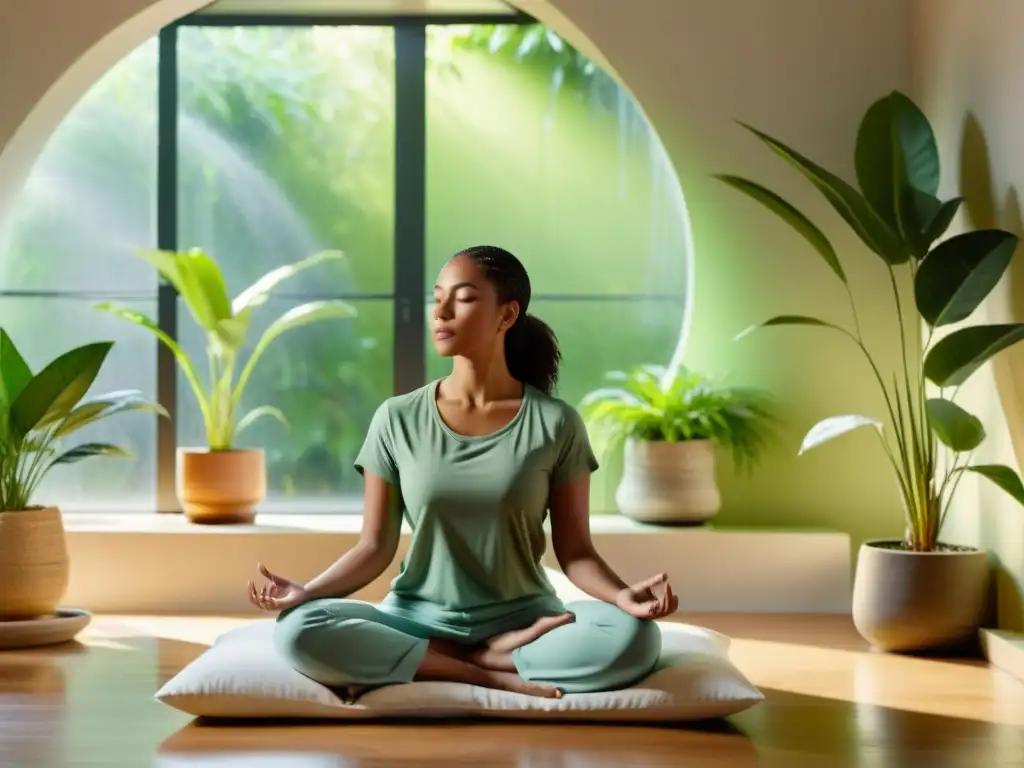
666	482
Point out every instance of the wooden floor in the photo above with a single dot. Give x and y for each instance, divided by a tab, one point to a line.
831	702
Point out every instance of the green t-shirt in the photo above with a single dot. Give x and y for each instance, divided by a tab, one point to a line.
476	506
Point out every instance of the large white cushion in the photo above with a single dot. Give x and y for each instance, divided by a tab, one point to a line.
242	676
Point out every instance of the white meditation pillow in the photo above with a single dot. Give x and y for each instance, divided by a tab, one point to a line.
242	676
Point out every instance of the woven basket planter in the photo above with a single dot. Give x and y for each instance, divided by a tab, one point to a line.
34	567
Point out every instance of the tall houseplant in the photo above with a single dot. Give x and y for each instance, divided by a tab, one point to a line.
669	422
38	413
919	592
222	483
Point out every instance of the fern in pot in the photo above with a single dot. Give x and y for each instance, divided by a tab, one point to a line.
39	414
669	422
918	592
221	483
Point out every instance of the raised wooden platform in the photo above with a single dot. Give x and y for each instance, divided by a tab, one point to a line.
120	563
831	702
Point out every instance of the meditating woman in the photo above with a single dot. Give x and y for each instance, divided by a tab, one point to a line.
475	462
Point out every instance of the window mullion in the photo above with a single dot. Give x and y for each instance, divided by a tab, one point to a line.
410	207
167	239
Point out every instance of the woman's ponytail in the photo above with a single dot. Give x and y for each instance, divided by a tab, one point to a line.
532	354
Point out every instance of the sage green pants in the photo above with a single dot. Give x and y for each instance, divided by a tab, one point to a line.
340	642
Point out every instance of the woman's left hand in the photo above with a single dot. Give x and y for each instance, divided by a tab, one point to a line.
641	601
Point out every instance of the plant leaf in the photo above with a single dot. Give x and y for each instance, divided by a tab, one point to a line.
847	201
833	427
95	409
231	331
55	390
85	450
297	317
954	358
895	154
204	289
198	280
256	414
791	216
14	375
139	319
258	293
954	426
609	394
960	272
1002	476
924	218
788	320
166	264
940	222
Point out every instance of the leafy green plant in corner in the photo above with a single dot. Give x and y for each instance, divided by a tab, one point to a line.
39	411
897	215
225	323
655	404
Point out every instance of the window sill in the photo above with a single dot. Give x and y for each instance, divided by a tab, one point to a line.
139	563
351	523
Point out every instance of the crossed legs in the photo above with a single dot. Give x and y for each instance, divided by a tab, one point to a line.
341	642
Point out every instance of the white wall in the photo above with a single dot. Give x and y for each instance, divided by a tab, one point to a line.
968	66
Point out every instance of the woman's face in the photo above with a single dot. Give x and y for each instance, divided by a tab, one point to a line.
468	321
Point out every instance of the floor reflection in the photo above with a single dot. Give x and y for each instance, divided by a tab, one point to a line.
26	739
497	745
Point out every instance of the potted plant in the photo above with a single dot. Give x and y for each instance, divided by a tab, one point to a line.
221	483
38	412
919	592
669	421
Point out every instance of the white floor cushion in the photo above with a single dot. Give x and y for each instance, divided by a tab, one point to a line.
242	676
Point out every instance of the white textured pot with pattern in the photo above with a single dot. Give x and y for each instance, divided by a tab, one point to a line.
665	482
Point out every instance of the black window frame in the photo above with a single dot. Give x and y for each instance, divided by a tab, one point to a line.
408	294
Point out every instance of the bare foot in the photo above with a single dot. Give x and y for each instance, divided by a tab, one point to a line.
510	681
438	665
497	651
509	641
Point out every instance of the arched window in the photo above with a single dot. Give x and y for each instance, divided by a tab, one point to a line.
265	139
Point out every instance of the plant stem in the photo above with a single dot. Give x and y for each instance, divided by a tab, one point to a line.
910	507
36	468
918	428
853	311
221	423
897	424
947	500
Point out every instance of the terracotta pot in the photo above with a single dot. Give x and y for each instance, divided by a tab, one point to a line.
917	601
669	482
221	486
34	566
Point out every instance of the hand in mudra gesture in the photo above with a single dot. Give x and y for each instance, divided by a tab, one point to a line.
640	599
277	594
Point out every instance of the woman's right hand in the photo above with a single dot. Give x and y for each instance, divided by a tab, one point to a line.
278	593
